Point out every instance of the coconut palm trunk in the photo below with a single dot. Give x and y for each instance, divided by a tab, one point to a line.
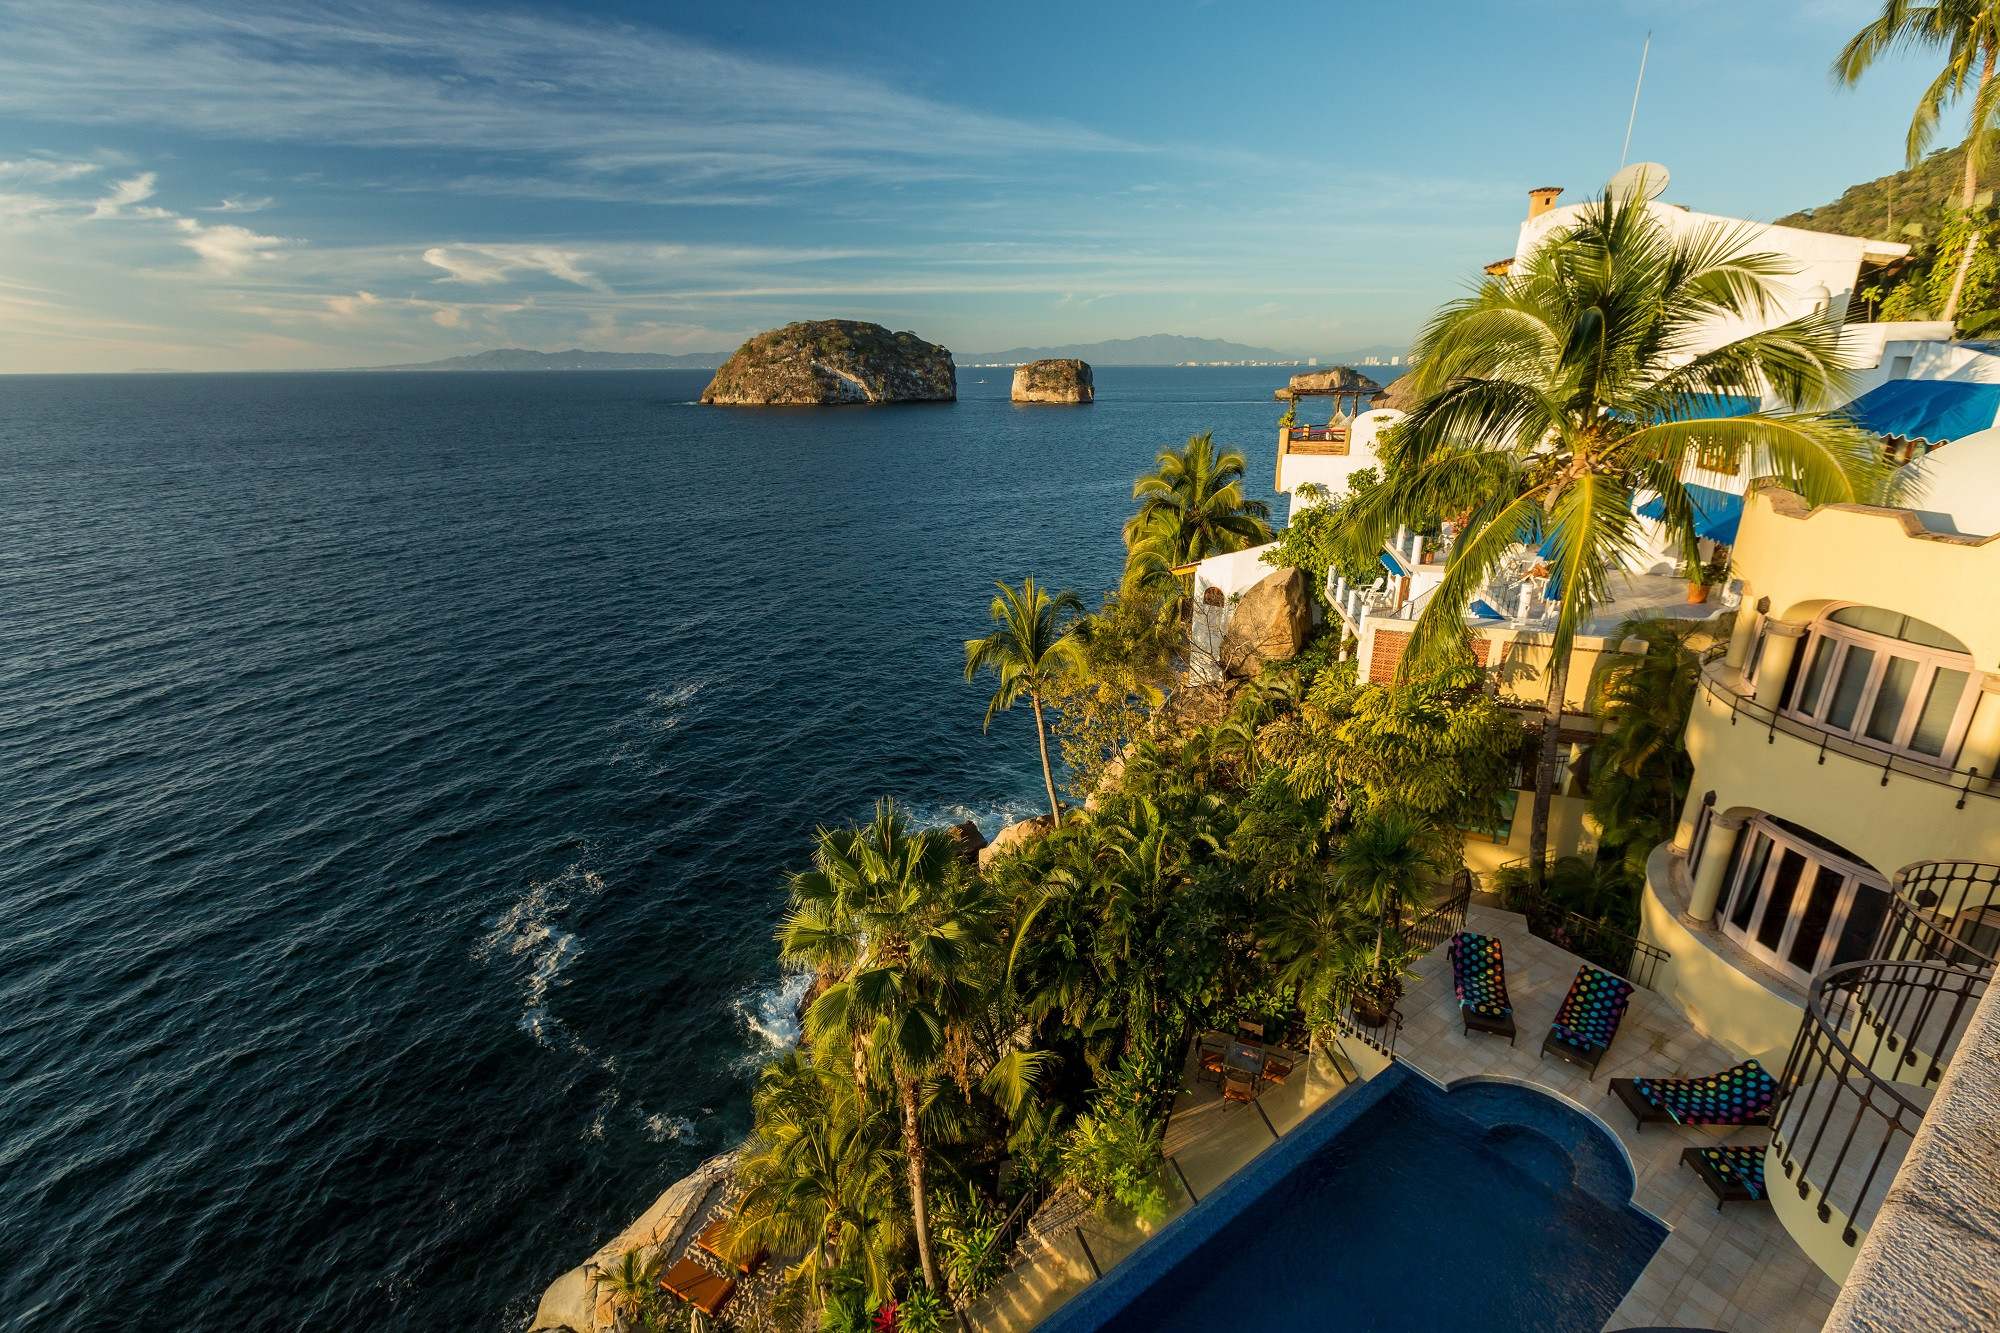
1048	774
1968	195
913	1150
1545	768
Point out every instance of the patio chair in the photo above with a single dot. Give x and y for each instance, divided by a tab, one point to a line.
714	1240
1588	1021
1479	980
692	1282
1276	1069
1734	1173
1209	1052
1739	1095
1239	1085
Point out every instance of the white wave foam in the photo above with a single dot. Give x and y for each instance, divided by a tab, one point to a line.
991	817
662	1128
529	929
771	1014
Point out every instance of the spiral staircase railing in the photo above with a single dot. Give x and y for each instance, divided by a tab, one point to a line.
1944	912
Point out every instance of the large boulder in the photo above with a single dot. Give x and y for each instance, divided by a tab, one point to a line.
830	361
968	841
1014	837
1057	380
1270	623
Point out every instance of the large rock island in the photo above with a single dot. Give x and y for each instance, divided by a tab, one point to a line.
829	361
1057	380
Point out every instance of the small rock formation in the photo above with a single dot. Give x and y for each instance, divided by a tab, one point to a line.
829	361
1333	378
1014	837
1057	380
1270	624
574	1301
1400	395
970	841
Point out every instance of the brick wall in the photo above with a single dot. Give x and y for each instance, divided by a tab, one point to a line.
1386	652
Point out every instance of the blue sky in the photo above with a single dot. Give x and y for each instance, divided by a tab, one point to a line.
245	186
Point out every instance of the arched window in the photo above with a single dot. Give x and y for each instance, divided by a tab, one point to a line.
1800	902
1889	679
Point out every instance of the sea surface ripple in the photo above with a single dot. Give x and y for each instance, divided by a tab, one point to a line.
400	776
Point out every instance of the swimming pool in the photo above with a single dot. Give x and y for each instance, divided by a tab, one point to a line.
1398	1207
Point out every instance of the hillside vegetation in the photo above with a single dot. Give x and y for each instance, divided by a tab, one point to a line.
1919	207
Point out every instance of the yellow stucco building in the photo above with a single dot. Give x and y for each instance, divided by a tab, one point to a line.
1845	750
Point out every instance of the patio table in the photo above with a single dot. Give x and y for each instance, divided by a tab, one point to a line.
1246	1057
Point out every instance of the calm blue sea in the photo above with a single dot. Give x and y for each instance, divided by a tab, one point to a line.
400	776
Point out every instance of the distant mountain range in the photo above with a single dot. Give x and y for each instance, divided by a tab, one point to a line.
1159	349
517	358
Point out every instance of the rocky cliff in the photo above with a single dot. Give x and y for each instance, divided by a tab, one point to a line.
1057	380
828	361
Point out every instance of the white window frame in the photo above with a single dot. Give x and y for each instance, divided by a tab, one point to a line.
1844	639
1782	840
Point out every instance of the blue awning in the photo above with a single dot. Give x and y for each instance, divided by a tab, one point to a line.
1483	610
1929	410
1393	564
1716	513
1716	405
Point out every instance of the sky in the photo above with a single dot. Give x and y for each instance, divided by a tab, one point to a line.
323	183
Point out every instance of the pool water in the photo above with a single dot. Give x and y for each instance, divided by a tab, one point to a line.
1492	1207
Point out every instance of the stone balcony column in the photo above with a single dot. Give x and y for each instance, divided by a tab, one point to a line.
1723	830
1982	735
1739	638
1782	644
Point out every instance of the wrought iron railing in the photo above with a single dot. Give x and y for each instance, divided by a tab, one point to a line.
1597	943
1876	1039
1444	918
1966	782
1944	912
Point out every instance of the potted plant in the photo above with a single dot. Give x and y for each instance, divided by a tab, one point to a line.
1707	574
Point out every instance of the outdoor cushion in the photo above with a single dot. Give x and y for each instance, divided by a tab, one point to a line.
1736	1096
1591	1012
1478	974
1735	1167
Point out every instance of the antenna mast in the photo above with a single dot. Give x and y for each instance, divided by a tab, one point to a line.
1629	120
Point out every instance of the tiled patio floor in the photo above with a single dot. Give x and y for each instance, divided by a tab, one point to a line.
1737	1270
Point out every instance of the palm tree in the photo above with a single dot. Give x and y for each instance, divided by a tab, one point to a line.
1382	863
914	982
1551	396
1190	508
821	1180
1640	764
634	1283
1030	649
1968	32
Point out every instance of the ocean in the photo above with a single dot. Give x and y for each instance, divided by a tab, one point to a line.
401	773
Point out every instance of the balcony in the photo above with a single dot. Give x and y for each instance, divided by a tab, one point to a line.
1876	1041
1812	746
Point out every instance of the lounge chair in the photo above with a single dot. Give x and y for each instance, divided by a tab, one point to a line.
1479	980
714	1240
692	1282
1733	1172
1739	1095
1588	1021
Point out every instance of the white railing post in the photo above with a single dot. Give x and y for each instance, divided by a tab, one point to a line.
1522	610
1416	549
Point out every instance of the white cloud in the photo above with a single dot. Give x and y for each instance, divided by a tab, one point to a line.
123	196
226	248
233	205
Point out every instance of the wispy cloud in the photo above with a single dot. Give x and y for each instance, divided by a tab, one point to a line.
596	103
233	205
485	265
